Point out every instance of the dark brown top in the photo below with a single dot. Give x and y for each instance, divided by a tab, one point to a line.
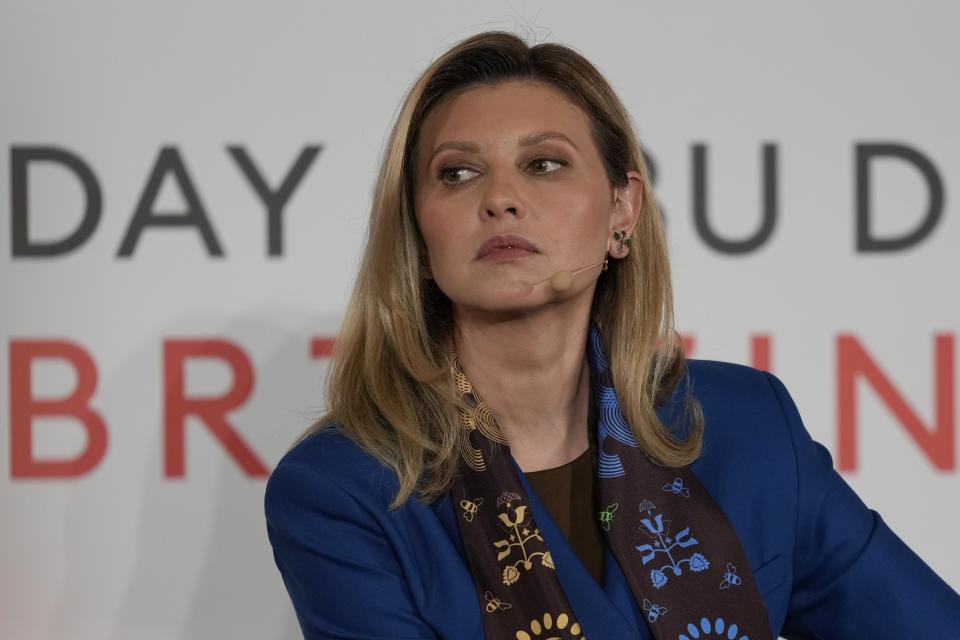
567	493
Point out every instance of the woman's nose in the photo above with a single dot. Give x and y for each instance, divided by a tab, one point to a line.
501	199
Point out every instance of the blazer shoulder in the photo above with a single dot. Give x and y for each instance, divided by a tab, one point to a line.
743	408
715	377
332	456
723	388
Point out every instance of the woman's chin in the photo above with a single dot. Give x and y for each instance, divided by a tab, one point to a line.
510	299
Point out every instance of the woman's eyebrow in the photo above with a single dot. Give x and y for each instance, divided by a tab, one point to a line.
524	141
540	136
468	147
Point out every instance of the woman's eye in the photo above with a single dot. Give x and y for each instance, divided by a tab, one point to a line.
453	173
542	162
455	176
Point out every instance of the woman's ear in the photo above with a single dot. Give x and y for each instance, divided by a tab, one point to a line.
628	201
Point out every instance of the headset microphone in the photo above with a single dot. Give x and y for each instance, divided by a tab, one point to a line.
562	280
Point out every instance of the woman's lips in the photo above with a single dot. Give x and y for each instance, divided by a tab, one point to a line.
502	254
501	248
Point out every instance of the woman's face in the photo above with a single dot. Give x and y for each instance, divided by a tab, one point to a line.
511	189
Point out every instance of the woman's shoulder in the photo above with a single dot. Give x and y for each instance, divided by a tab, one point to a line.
328	459
712	380
328	446
747	411
728	388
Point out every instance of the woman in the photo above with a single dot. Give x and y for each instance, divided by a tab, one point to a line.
516	445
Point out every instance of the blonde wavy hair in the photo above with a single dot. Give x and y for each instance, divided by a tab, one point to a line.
390	384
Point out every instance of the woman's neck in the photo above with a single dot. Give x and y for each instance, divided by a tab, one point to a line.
533	374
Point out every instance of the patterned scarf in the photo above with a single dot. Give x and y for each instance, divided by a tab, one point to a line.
679	553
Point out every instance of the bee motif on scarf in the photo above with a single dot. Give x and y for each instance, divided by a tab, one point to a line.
653	610
677	488
606	516
494	603
730	578
470	508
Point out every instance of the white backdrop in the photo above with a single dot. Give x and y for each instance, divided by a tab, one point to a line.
132	548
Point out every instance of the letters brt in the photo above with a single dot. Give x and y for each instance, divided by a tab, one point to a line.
936	442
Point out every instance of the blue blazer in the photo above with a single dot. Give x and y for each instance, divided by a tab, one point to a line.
827	567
